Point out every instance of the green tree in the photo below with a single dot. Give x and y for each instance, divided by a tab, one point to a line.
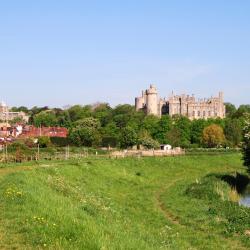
151	124
246	142
122	114
20	109
86	132
197	128
110	135
89	122
241	111
103	112
233	131
230	109
85	136
213	136
44	141
147	141
184	126
128	137
78	112
163	127
174	137
45	118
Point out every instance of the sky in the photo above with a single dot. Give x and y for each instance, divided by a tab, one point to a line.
56	53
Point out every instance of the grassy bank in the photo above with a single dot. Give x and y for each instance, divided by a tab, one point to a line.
147	203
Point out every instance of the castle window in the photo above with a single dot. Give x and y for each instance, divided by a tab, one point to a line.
204	113
199	113
209	113
194	113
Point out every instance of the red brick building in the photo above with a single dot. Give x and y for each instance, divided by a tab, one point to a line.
31	131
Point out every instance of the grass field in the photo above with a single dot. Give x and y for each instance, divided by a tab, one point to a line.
146	203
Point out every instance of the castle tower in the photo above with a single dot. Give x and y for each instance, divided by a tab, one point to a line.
152	101
140	101
222	108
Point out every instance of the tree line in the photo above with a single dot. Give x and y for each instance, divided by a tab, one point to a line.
122	126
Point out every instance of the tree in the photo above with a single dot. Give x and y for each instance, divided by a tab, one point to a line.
110	135
45	118
197	128
103	112
230	109
164	125
151	124
85	136
122	114
89	122
241	111
233	131
86	132
173	137
128	137
147	141
19	109
246	142
44	141
78	112
184	126
213	136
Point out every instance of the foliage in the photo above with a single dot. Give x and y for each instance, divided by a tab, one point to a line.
44	142
246	142
128	137
60	141
147	141
45	118
213	136
233	131
85	136
230	109
108	123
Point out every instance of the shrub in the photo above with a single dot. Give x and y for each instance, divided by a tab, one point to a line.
60	141
213	136
246	143
44	141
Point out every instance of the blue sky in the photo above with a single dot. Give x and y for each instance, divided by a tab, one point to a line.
79	52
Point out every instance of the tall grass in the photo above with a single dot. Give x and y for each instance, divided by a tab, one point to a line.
146	203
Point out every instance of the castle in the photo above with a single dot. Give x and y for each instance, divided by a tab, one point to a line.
7	115
180	105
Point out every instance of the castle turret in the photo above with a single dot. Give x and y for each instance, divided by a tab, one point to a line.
152	101
140	101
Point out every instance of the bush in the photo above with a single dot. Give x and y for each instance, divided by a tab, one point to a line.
110	141
246	143
44	142
60	141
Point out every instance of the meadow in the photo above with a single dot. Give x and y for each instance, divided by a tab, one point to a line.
181	202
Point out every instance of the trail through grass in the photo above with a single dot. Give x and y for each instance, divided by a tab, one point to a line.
147	203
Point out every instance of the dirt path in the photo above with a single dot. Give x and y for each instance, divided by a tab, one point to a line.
167	214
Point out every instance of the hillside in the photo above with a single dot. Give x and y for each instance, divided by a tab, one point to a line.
147	203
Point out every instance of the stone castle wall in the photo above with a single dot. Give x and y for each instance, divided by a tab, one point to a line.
181	105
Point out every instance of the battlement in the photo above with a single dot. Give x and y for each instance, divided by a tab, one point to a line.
186	105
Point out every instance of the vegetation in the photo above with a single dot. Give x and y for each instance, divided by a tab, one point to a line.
148	203
213	136
99	125
246	144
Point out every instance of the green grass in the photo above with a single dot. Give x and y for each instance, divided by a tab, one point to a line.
146	203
